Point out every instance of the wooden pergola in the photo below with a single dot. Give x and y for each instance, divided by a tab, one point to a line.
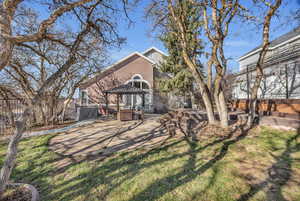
125	89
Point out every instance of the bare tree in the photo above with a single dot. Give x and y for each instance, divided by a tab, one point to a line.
218	16
30	71
94	19
173	12
272	8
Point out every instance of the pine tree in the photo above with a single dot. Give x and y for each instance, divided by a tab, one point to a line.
181	79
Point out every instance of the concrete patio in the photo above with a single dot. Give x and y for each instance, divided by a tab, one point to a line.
102	139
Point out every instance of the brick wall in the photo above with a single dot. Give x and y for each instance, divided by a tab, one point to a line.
282	107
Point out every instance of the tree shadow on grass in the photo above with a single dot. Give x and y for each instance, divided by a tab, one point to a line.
67	160
188	173
278	174
108	174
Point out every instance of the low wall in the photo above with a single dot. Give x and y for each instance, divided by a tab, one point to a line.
87	112
276	107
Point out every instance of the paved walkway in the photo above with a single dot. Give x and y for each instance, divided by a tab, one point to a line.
50	131
105	138
57	130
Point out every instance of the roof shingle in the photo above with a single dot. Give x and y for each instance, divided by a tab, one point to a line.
280	39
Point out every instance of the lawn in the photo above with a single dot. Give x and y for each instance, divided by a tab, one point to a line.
262	165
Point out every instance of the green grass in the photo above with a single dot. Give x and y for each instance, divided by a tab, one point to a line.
264	165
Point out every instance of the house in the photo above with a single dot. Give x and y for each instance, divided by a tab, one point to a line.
281	69
279	92
137	69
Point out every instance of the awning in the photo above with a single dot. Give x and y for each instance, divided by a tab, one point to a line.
125	89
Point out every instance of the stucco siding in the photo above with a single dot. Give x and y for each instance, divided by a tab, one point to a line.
154	56
138	65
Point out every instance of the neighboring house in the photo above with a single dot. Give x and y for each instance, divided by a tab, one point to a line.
138	69
281	69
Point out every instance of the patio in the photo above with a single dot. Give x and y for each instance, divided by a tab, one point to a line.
102	139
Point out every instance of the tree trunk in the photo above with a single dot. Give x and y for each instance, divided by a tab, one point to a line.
12	151
44	119
209	108
259	65
11	155
223	110
207	101
221	102
204	91
6	46
253	98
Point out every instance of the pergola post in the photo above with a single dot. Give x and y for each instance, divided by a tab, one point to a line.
121	90
118	104
106	103
143	100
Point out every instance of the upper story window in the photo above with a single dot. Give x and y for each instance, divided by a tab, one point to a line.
84	98
137	77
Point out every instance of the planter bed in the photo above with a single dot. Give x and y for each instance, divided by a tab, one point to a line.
20	192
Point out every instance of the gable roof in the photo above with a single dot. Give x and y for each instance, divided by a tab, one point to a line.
294	34
119	64
154	49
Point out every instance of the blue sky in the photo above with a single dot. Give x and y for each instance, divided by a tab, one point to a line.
242	39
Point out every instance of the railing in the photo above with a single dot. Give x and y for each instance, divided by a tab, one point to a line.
10	110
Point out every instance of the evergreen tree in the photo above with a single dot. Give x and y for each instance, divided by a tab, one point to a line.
181	79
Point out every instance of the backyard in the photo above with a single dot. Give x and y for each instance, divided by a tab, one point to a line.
134	162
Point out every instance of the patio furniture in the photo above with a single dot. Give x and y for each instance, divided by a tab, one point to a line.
125	115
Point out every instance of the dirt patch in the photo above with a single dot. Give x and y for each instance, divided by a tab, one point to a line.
17	194
209	131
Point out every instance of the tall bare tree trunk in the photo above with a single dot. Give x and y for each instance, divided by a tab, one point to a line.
42	112
259	65
220	102
223	110
7	10
12	151
253	96
20	127
204	91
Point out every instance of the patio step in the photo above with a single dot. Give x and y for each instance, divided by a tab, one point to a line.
279	122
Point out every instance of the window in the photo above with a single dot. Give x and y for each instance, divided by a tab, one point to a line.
282	70
137	84
137	77
145	85
84	98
